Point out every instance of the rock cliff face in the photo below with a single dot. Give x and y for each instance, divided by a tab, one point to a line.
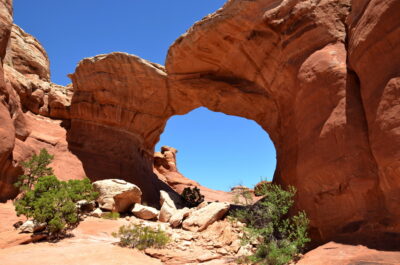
301	70
321	77
374	55
7	102
25	90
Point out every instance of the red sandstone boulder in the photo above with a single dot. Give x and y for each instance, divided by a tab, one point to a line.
340	254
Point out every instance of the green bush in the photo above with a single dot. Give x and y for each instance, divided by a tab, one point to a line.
110	215
259	188
192	197
243	197
35	168
49	200
136	236
281	238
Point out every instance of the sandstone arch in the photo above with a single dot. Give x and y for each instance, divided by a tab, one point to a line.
300	69
283	64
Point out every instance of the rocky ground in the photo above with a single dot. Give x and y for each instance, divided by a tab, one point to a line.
92	243
301	69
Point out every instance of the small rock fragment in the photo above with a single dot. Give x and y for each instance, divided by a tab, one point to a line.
145	212
96	213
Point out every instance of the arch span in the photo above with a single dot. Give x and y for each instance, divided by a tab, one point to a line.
283	64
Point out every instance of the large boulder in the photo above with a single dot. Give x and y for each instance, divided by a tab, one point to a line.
202	218
144	212
117	195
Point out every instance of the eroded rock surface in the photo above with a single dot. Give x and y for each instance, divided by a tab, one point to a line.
306	71
200	219
144	212
25	88
27	68
117	195
301	70
340	254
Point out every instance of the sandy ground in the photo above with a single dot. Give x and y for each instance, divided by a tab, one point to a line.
92	244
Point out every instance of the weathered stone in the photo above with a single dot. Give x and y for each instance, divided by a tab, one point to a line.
199	220
26	55
201	205
179	215
117	195
340	254
27	227
208	257
31	227
145	212
97	213
26	88
86	206
166	212
165	198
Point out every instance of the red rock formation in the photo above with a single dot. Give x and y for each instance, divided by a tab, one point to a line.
166	169
284	65
26	55
28	70
300	69
7	129
374	55
25	88
340	254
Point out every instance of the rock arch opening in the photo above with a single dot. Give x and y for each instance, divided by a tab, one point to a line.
219	151
246	60
297	68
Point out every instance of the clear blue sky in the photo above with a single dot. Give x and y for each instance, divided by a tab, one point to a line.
217	150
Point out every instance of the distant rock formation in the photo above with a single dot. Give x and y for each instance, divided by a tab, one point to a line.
321	77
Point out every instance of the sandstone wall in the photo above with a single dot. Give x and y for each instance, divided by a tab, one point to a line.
25	90
374	55
321	77
301	69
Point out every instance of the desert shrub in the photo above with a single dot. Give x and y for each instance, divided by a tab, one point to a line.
34	168
243	197
137	236
49	200
111	215
280	238
260	187
192	197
